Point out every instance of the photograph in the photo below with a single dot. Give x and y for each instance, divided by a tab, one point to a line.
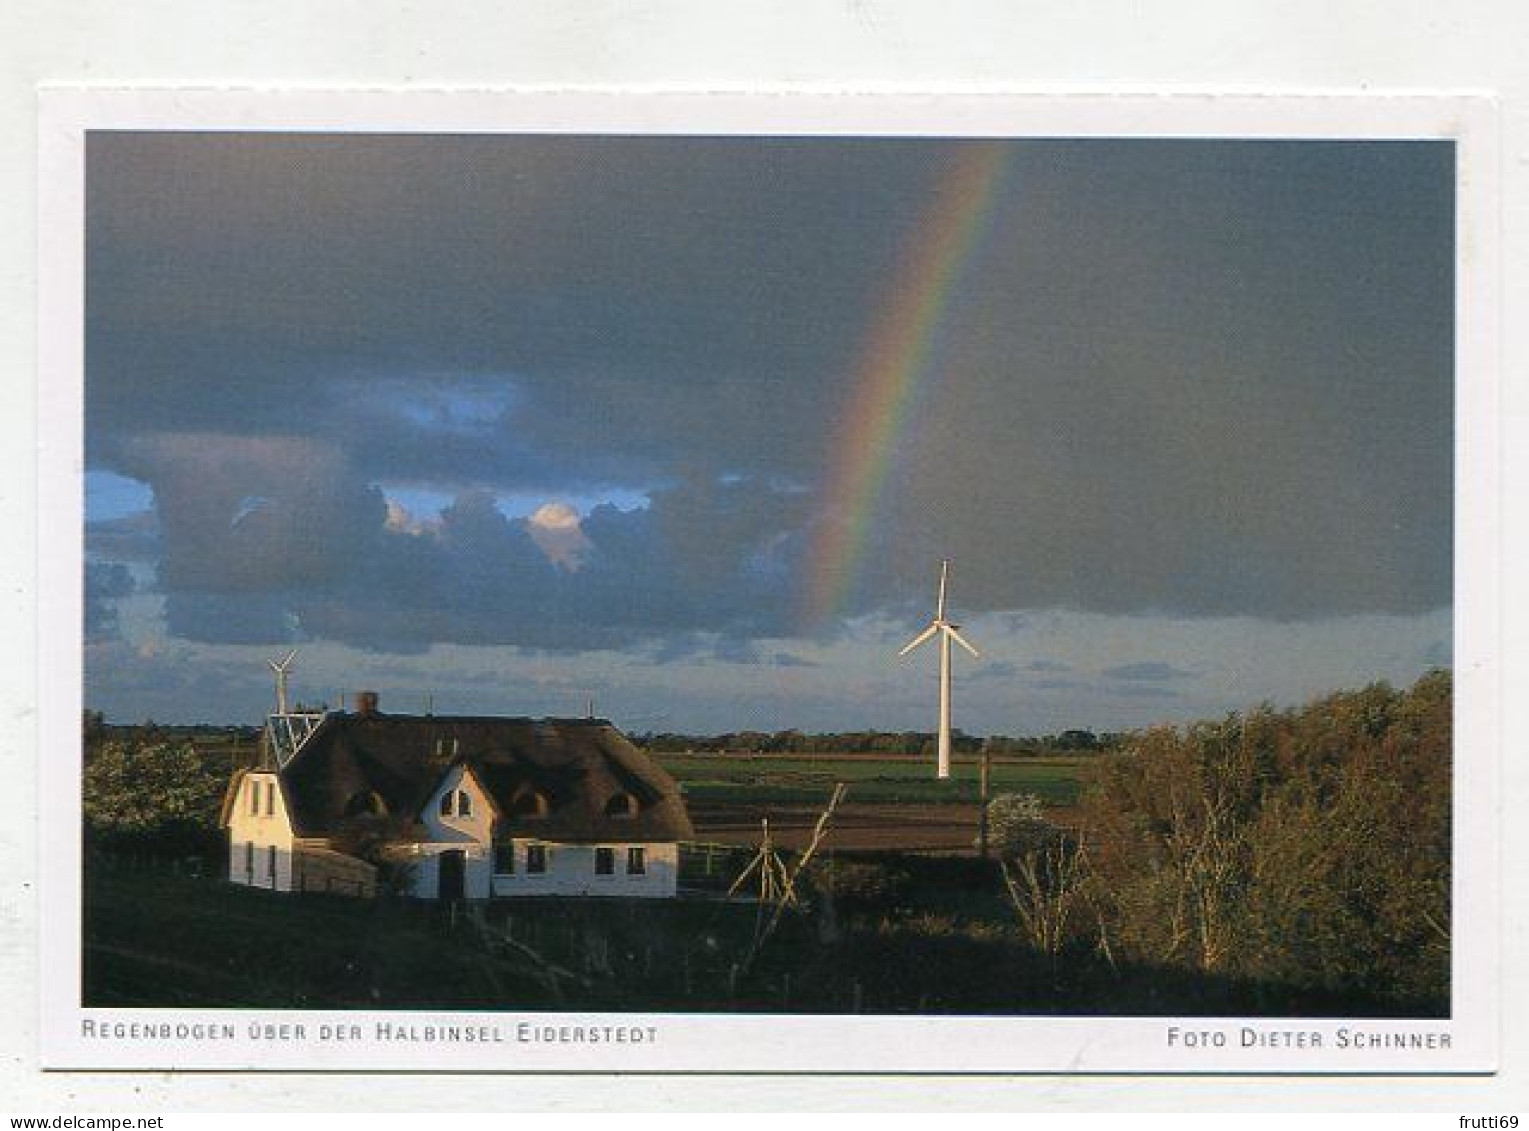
593	586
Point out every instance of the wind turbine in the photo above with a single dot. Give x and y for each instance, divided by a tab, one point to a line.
947	632
280	668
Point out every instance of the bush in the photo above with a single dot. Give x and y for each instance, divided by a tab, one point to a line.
1308	848
1016	825
157	796
862	888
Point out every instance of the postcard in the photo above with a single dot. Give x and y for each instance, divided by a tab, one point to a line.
675	583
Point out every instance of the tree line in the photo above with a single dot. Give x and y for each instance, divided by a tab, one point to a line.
890	743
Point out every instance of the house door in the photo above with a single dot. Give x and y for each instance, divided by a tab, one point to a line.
453	878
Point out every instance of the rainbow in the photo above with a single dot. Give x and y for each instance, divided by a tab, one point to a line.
892	368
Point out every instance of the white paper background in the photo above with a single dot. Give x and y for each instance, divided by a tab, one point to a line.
1294	46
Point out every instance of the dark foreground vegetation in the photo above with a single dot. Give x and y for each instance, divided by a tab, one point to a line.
1291	863
159	939
1308	848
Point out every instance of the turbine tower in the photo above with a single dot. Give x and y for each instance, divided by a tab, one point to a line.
280	668
947	632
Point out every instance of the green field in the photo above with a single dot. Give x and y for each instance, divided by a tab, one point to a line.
757	780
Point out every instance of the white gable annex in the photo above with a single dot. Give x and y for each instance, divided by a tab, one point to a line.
260	834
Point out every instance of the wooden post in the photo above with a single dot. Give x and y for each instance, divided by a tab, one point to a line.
788	891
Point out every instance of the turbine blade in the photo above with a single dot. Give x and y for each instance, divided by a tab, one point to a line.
290	655
919	639
944	575
961	640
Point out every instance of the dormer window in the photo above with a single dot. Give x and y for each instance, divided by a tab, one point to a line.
529	804
367	802
621	805
464	804
447	801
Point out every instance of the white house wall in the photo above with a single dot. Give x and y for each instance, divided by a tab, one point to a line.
264	830
424	864
571	871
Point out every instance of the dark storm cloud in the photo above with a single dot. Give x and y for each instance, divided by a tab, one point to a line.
701	559
646	291
1198	378
1193	378
128	538
250	514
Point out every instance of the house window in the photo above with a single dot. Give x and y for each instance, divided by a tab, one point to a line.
605	861
636	861
536	858
270	863
446	803
504	858
270	798
464	804
249	861
254	797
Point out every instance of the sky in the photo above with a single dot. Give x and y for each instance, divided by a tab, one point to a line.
684	426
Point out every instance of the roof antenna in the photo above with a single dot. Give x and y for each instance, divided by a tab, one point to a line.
430	703
280	668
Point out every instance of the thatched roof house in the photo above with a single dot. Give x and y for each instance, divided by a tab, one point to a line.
470	806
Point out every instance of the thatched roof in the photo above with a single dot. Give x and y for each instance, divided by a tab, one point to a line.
230	797
558	779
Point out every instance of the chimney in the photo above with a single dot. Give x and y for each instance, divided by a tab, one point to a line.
366	704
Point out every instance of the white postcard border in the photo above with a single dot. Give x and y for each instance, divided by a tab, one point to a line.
77	1038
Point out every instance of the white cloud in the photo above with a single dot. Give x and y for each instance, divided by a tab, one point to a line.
557	531
401	520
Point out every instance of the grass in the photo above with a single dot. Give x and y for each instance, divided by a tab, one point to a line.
152	938
754	779
942	941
